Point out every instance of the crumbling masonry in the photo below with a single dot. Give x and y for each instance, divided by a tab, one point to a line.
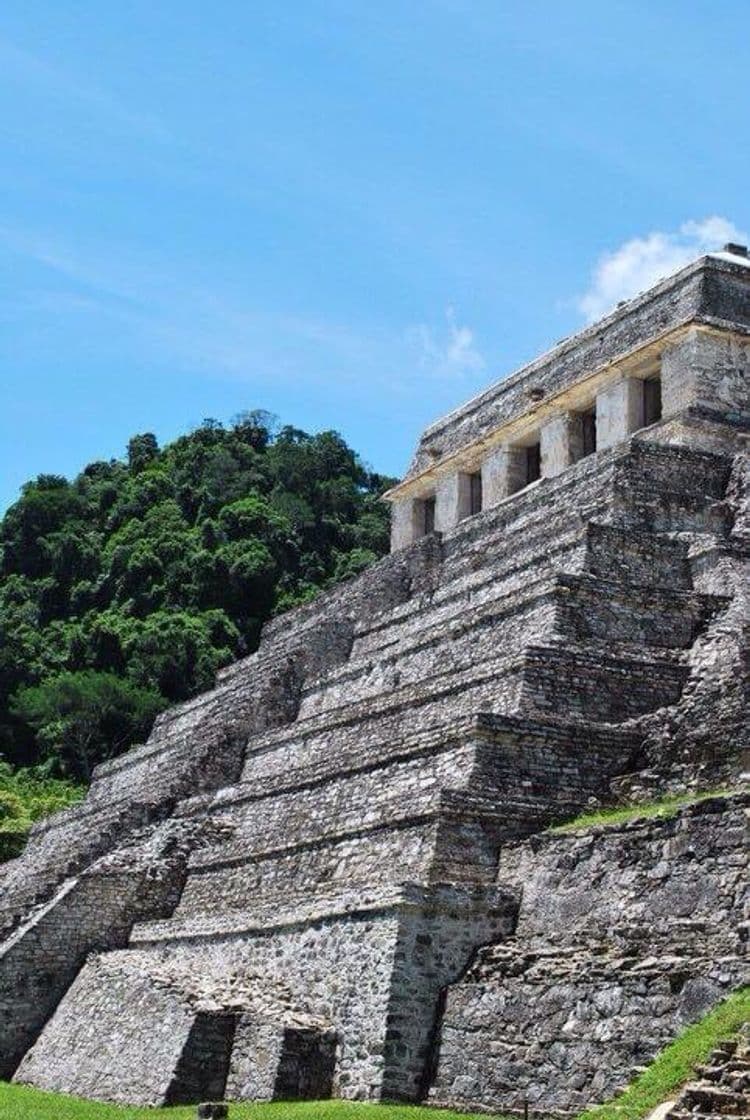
333	874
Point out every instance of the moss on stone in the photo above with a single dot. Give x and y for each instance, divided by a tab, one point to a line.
663	807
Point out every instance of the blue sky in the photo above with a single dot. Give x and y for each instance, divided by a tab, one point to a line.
355	215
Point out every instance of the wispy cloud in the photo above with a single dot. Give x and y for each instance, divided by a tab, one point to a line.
642	261
449	351
189	324
24	68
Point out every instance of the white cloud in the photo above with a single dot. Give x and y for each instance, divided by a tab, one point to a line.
450	351
641	262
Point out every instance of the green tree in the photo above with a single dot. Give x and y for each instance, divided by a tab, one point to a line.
81	718
25	796
142	450
158	568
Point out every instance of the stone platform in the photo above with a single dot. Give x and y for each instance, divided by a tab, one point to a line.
332	873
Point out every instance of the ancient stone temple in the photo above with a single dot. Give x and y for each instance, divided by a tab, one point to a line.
335	873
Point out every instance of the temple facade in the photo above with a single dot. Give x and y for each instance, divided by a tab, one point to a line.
678	352
339	872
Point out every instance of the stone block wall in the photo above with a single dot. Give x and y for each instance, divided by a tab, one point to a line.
371	975
94	911
347	795
563	1028
707	372
273	1062
689	866
625	934
119	1035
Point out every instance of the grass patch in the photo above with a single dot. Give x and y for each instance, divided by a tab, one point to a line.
18	1102
676	1063
664	807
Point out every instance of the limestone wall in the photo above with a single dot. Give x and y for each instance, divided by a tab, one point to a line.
372	976
91	912
625	934
351	788
689	866
709	373
710	291
144	1045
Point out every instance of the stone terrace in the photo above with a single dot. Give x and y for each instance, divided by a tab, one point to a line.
327	824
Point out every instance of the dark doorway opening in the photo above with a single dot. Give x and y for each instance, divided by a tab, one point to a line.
651	401
428	512
588	433
306	1065
533	463
475	493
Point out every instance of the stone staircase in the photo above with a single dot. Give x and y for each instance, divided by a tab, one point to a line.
723	1085
362	771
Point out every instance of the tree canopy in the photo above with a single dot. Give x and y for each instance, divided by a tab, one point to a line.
125	589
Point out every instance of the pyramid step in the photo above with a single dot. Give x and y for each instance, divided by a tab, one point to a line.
719	1069
568	608
723	1051
708	1098
594	608
641	559
594	685
432	626
576	606
441	698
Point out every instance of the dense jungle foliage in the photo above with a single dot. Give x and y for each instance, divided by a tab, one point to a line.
125	589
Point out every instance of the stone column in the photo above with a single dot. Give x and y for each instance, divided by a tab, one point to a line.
706	371
406	522
619	411
452	500
561	441
503	472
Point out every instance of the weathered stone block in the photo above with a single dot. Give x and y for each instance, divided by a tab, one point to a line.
452	500
121	1035
619	411
407	523
561	441
708	372
615	951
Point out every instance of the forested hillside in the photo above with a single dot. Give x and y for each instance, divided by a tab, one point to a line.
124	590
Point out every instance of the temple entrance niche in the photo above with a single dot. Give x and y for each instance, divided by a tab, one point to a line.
306	1065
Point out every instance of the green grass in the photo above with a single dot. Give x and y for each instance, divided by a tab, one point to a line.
664	807
661	1081
18	1102
675	1065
